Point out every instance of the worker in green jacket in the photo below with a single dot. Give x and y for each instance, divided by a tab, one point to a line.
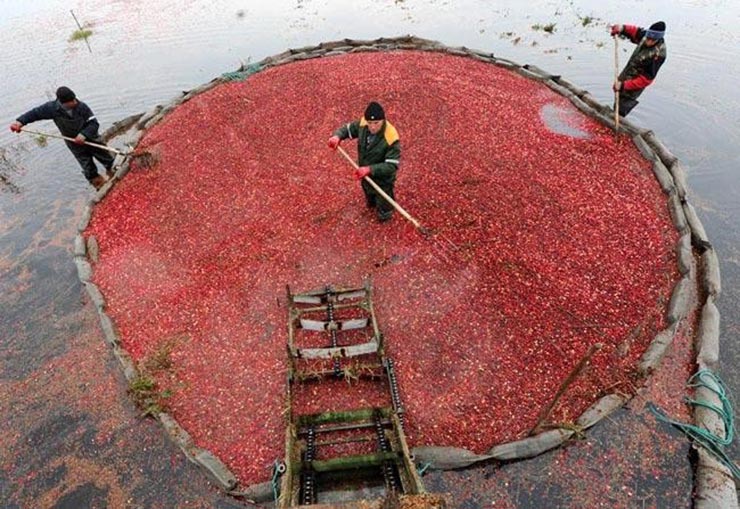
379	153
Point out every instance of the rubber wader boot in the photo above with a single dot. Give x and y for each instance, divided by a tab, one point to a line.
97	181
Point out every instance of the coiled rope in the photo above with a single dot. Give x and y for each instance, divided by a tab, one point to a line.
713	443
243	73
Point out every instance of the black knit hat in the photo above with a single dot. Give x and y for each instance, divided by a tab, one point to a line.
64	95
374	111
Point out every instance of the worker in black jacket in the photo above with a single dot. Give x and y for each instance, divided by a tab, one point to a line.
643	65
75	120
379	151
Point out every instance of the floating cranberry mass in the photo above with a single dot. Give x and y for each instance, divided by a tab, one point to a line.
559	239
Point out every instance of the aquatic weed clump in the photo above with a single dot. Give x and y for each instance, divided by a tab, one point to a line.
82	33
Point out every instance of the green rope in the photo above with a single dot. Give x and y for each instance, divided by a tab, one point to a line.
275	475
713	443
242	74
424	468
726	413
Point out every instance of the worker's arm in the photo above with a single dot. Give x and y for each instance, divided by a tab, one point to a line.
44	112
90	127
632	32
349	130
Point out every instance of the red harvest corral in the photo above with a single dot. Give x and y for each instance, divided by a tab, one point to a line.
563	242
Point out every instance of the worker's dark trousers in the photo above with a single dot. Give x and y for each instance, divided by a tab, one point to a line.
627	101
85	154
374	200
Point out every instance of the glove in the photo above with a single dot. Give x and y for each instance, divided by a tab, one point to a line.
80	139
334	142
16	127
362	172
615	30
618	86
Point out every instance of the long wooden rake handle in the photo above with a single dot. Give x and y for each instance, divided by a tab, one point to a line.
58	136
383	193
616	77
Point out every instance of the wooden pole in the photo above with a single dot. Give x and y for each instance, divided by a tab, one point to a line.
564	386
382	193
81	30
96	145
616	78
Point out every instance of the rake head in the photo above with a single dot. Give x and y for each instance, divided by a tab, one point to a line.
144	158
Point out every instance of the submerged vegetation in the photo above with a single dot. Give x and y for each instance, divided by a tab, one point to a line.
41	140
549	28
82	33
8	167
161	358
144	389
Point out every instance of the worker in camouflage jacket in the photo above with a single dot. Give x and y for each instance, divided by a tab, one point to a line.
379	153
643	65
75	120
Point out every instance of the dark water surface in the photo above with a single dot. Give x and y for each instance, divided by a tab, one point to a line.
71	437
